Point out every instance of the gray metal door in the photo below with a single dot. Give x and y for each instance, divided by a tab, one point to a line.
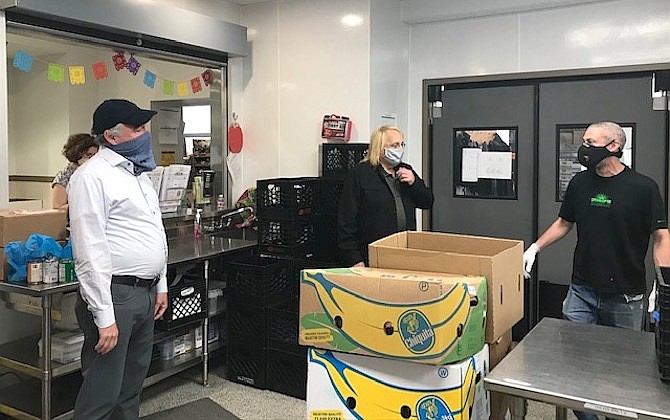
476	213
568	105
543	113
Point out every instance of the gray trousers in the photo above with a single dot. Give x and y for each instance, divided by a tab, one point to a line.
113	381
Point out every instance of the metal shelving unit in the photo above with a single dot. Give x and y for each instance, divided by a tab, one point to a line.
38	397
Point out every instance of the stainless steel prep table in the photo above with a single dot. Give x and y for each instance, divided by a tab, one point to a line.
605	370
21	356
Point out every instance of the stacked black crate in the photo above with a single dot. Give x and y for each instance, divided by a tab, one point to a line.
255	286
663	329
287	233
336	160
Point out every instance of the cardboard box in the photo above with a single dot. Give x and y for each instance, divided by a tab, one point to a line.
499	260
347	386
18	225
426	318
497	351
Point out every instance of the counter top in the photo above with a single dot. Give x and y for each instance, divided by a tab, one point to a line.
607	370
190	249
180	250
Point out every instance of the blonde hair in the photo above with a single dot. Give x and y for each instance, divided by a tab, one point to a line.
376	149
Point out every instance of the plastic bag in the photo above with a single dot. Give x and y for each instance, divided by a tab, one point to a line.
36	247
67	250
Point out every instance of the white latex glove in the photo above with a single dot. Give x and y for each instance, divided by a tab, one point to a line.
529	259
652	299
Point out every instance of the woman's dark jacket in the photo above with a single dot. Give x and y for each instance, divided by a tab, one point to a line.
367	209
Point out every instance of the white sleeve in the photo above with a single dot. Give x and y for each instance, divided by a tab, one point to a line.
89	209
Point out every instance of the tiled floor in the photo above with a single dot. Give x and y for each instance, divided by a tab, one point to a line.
250	403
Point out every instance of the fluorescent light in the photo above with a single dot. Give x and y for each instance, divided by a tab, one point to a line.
352	20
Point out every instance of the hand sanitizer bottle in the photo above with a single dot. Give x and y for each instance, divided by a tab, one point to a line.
197	229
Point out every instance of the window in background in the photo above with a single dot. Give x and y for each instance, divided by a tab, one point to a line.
569	138
485	163
197	124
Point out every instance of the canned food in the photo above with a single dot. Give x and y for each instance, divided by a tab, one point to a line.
34	272
66	271
50	270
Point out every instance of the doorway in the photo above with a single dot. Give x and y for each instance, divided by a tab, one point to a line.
502	152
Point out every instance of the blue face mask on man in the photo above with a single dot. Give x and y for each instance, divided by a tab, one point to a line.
138	151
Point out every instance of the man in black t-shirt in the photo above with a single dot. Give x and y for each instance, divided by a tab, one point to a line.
616	210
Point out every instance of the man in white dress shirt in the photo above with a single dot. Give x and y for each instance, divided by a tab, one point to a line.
120	253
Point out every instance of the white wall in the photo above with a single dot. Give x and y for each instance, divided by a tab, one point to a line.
389	64
567	35
304	63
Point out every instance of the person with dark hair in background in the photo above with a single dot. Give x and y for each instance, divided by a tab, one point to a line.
120	253
78	149
616	211
379	197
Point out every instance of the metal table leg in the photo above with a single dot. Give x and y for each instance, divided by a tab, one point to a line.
561	413
46	359
205	345
518	408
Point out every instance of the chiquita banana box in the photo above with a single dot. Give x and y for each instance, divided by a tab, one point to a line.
420	317
346	386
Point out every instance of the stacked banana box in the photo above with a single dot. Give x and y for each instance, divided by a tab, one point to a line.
410	337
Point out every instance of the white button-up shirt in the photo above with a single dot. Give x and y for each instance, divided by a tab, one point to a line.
116	229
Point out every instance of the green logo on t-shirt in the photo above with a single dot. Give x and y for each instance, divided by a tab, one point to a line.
601	200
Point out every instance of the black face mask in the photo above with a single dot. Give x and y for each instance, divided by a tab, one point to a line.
591	156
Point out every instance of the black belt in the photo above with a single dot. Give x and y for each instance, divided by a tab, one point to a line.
135	281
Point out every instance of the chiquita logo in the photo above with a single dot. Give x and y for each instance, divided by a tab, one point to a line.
416	332
432	407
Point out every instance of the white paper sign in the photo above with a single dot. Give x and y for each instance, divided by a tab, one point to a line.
470	164
495	165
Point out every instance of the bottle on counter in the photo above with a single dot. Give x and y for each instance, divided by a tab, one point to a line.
197	227
220	202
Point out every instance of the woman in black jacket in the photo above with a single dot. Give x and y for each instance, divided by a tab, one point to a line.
380	197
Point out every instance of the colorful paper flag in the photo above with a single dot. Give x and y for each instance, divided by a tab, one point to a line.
23	61
196	86
56	73
149	79
133	65
77	75
100	70
119	60
207	77
168	87
182	89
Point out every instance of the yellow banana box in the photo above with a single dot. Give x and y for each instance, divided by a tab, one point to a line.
420	317
343	386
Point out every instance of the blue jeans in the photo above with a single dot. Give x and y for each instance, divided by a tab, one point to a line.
586	306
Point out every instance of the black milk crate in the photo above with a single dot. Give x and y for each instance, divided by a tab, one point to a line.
283	329
285	252
338	158
286	198
246	323
247	364
325	236
287	372
260	281
187	296
286	232
329	196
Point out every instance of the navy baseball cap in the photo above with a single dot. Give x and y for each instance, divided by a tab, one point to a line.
114	111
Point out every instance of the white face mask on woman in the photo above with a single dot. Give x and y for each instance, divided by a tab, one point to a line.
82	161
393	156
